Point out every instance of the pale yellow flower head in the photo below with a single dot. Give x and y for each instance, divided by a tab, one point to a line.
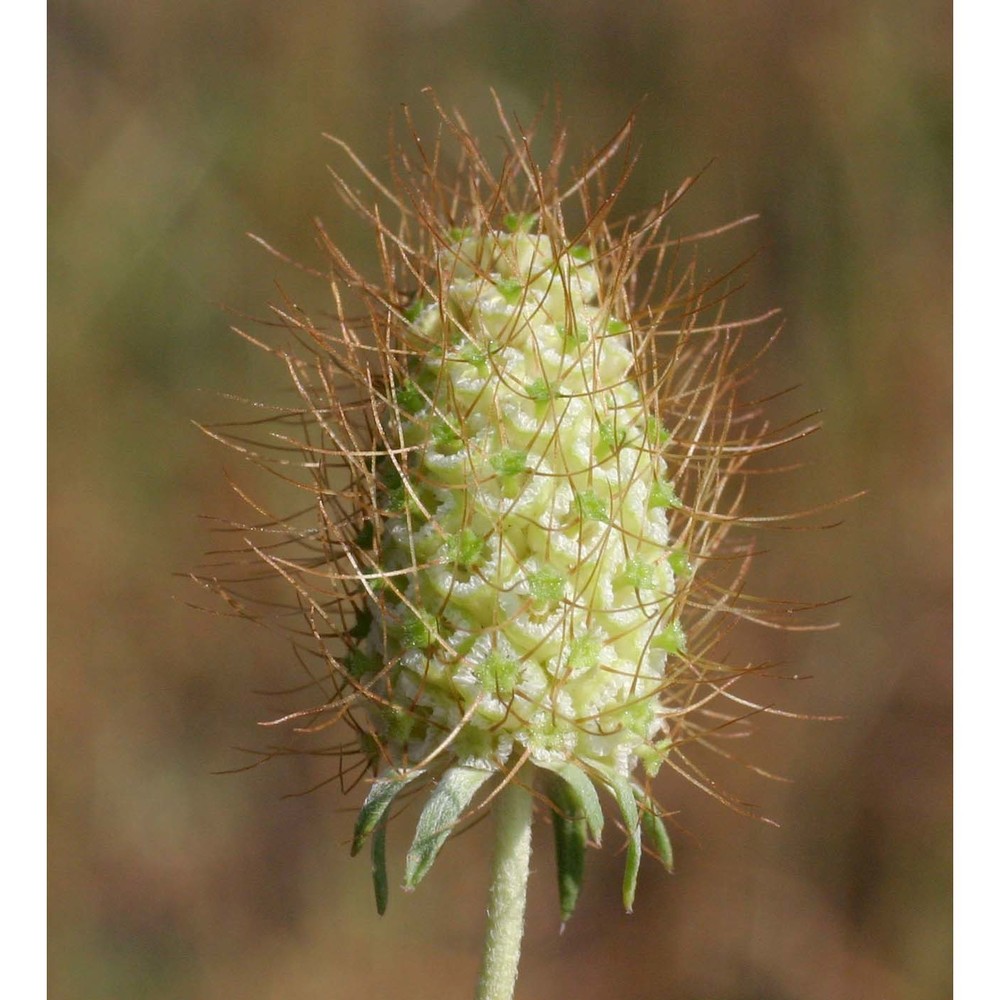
518	454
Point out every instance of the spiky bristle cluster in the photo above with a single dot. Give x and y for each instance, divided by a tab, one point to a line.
523	462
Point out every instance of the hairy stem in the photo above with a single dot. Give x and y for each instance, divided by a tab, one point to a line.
508	894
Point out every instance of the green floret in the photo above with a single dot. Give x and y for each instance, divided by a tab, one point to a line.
360	664
592	507
511	289
574	334
414	309
446	439
509	462
612	436
466	549
417	631
671	639
409	397
583	653
656	434
396	500
539	390
638	574
680	563
398	723
473	354
520	222
498	674
663	495
547	585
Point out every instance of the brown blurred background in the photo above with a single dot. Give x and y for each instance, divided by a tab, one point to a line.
176	127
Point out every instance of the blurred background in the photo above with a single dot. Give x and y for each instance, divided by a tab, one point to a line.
176	128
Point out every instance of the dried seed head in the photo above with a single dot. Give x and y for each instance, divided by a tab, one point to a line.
523	462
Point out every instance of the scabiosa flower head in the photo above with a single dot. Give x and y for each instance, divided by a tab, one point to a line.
522	458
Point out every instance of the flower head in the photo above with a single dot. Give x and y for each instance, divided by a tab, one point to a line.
522	464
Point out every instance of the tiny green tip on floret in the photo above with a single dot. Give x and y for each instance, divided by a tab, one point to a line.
574	335
671	639
680	563
592	507
466	549
520	222
361	664
663	495
414	309
656	434
638	574
398	722
547	585
611	435
584	652
410	398
511	289
417	631
473	354
445	437
499	674
509	462
539	390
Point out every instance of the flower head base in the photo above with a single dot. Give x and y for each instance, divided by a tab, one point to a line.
523	464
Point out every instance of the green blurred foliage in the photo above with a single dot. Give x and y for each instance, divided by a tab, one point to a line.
174	129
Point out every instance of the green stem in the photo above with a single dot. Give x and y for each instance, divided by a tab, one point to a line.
508	893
